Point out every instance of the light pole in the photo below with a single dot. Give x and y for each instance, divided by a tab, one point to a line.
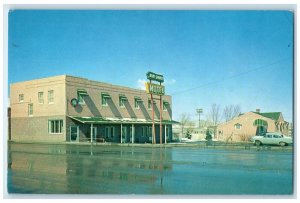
199	111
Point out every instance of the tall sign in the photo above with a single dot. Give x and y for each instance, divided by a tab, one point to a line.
157	89
152	88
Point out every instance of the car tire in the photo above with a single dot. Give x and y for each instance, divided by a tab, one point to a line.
282	144
257	142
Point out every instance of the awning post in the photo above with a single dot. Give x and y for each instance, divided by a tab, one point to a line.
132	134
165	134
121	133
91	132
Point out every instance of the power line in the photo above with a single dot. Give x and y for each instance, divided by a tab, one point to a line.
230	77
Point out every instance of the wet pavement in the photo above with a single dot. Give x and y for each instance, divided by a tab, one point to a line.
86	169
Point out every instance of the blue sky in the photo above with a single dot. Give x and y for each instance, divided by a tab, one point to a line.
206	57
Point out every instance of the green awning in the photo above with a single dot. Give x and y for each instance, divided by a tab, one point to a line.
166	103
103	120
105	95
82	92
260	122
138	99
123	97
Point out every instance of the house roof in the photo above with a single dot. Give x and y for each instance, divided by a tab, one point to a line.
272	115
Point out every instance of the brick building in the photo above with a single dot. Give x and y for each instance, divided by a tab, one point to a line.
242	127
73	109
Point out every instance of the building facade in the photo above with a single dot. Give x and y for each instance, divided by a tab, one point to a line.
72	109
246	125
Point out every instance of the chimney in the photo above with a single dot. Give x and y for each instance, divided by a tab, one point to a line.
257	110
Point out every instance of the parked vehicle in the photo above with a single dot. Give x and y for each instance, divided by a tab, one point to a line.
273	138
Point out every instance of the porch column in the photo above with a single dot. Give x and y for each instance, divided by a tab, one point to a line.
165	134
91	132
121	133
132	134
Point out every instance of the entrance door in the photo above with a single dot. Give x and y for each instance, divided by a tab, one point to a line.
74	133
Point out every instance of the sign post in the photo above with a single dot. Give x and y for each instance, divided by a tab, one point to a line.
153	126
156	89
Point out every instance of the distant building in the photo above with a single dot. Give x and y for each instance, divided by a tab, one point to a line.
72	109
244	126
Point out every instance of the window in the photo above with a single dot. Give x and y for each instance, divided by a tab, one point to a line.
30	109
21	97
238	126
165	105
137	101
50	96
122	100
81	93
55	126
276	136
104	97
149	104
41	97
81	99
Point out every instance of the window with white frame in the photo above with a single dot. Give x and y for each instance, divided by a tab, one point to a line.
41	97
55	126
21	97
137	101
104	98
30	109
165	105
122	100
81	94
51	96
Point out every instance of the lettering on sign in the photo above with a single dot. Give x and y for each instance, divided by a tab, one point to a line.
152	88
154	76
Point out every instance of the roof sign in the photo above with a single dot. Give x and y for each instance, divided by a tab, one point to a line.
154	76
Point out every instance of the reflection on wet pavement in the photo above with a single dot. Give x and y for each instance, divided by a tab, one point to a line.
84	169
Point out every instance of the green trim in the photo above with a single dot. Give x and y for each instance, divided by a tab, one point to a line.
123	97
82	92
260	122
105	95
102	120
166	103
272	115
138	99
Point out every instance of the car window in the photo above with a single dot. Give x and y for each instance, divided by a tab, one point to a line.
269	136
276	136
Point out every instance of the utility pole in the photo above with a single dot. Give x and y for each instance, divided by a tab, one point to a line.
199	111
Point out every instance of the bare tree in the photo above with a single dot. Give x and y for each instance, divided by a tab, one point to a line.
231	111
186	122
214	114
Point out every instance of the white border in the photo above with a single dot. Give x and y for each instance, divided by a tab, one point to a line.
155	4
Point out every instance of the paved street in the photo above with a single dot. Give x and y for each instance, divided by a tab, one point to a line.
85	169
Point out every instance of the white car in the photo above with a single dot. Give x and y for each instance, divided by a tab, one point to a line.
274	138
